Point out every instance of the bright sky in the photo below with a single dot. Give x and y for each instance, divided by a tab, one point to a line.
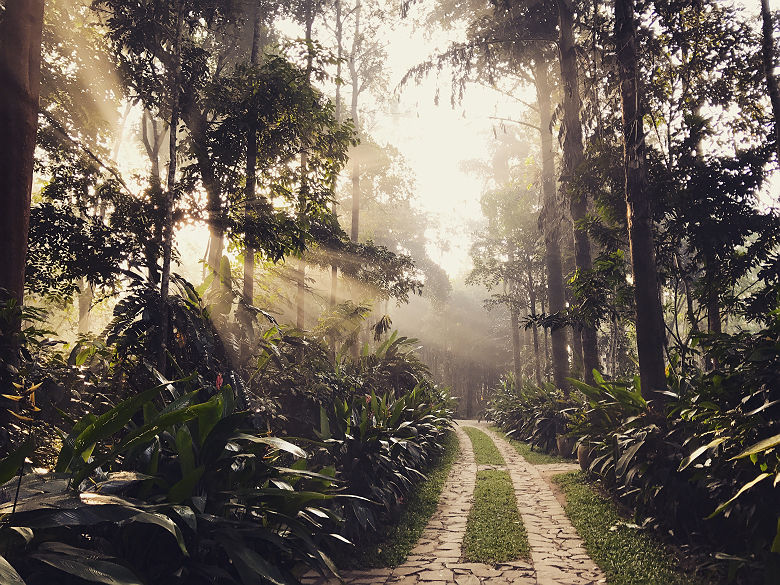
436	139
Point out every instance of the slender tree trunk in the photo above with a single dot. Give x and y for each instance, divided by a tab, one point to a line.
551	223
85	303
573	157
20	73
769	57
334	271
251	165
546	349
649	316
167	227
355	93
197	123
532	302
514	322
300	318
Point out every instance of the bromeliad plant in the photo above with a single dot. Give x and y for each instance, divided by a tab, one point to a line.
168	487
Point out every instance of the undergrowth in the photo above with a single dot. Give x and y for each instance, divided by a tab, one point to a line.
421	504
626	554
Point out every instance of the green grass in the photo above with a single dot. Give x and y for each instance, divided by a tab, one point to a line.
533	457
494	530
627	556
421	504
485	452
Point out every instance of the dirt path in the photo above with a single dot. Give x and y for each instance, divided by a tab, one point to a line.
557	553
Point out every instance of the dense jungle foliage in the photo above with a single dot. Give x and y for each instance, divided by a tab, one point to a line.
252	415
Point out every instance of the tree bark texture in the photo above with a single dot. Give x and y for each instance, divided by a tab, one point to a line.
769	57
649	316
20	73
551	224
573	157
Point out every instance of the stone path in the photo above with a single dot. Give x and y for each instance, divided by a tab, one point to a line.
557	554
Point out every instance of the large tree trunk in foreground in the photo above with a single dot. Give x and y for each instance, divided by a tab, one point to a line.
551	225
573	157
649	316
20	73
768	53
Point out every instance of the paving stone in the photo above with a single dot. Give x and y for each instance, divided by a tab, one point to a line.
558	555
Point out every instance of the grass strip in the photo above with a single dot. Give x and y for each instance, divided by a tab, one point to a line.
533	457
485	452
494	530
627	556
422	502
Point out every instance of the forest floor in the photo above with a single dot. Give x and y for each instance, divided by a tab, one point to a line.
558	556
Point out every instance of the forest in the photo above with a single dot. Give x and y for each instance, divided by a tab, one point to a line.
235	328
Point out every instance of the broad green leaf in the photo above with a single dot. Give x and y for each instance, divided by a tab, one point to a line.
182	489
10	466
8	575
95	570
759	447
26	533
251	566
164	522
693	456
184	450
741	491
274	442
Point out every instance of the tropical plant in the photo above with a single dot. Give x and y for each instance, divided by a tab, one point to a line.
166	487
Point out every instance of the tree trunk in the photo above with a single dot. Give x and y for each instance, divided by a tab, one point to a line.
355	93
85	304
532	302
514	322
197	123
649	316
573	157
551	223
334	271
251	164
167	227
300	299
768	54
20	73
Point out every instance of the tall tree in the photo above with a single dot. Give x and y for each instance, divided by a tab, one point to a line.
649	315
572	162
21	26
768	51
550	220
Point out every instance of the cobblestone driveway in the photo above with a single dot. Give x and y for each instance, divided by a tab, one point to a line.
557	553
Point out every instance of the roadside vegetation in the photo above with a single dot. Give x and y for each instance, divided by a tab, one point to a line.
421	503
627	554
